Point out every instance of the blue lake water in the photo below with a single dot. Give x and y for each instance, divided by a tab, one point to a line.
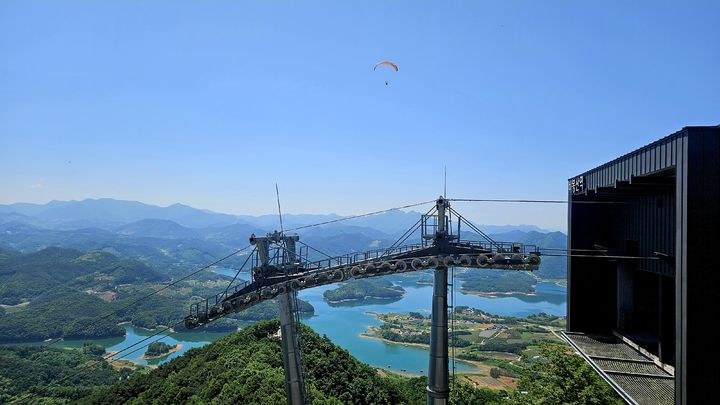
343	324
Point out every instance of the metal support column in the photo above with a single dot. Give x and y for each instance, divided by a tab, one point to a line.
294	387
438	386
438	389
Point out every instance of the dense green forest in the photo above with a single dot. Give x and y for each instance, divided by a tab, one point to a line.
365	288
53	376
60	314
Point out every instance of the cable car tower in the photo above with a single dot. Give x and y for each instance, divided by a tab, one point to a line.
279	270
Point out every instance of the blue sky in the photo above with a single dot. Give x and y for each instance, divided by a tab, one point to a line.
210	103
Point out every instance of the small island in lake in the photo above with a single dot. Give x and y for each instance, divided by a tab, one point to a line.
159	349
492	282
364	289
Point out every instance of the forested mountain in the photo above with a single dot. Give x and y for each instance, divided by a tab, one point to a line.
107	212
65	293
158	228
25	276
161	253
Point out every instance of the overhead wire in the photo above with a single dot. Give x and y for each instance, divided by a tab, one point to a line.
315	249
239	270
416	226
509	200
359	216
454	334
603	256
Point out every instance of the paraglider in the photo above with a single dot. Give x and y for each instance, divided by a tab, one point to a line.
386	63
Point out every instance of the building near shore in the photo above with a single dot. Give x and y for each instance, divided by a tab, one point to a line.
643	276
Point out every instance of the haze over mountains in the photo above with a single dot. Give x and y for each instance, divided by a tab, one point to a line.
179	235
106	213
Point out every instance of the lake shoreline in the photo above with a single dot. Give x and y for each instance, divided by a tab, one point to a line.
498	294
477	364
367	297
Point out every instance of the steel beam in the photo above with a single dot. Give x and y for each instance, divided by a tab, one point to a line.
294	387
438	385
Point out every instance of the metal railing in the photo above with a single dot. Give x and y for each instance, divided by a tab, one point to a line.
217	299
504	247
360	257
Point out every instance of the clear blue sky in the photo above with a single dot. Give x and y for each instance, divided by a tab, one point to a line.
208	103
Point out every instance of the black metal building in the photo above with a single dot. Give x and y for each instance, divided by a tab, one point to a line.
644	315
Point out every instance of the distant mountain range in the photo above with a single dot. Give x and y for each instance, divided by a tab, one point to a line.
183	236
110	214
107	213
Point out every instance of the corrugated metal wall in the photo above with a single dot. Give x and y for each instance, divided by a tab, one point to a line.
649	219
657	156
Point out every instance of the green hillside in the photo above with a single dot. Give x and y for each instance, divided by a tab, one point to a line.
25	276
53	376
246	368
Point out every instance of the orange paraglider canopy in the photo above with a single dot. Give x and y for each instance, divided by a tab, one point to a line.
385	62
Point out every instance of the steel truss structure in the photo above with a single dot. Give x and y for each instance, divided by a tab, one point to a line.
281	270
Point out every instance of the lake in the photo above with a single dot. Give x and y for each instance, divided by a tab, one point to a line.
344	323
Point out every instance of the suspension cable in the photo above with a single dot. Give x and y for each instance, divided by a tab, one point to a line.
316	250
360	216
452	320
238	272
475	228
509	200
602	256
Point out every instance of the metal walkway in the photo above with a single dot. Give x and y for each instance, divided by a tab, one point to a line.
636	377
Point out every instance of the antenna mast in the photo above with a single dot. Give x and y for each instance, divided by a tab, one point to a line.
445	184
277	193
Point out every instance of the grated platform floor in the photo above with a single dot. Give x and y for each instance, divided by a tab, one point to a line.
632	374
